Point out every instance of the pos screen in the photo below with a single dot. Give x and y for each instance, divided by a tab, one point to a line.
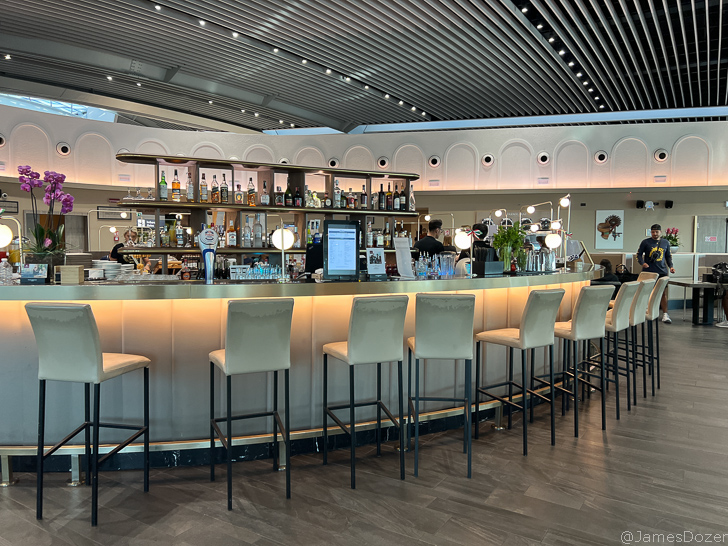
341	250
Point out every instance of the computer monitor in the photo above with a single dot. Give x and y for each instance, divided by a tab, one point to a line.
341	250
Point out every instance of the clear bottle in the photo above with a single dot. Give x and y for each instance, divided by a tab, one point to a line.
297	240
247	234
203	190
280	201
337	195
239	195
6	272
412	204
257	232
316	201
179	234
387	236
162	188
224	191
395	198
375	200
176	189
350	201
164	237
327	200
265	197
190	189
231	236
215	190
252	194
370	235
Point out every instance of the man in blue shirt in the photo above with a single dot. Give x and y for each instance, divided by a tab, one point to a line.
654	256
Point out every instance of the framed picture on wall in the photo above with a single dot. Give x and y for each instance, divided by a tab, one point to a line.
609	230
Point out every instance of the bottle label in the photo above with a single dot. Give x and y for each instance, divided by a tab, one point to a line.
163	192
224	194
231	239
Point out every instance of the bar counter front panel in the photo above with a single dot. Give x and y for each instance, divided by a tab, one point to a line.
176	326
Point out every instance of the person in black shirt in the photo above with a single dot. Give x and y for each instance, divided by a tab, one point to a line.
430	244
608	275
654	256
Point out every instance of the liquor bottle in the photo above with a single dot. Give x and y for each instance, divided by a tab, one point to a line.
247	235
239	195
257	232
387	236
215	191
412	204
176	191
280	201
350	202
264	197
190	189
403	200
370	235
179	234
307	198
297	240
375	200
337	195
185	274
390	197
364	201
309	232
288	198
297	202
380	239
224	191
396	226
162	188
327	200
231	236
395	198
203	190
316	201
252	194
164	237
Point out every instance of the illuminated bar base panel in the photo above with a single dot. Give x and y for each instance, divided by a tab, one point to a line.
177	325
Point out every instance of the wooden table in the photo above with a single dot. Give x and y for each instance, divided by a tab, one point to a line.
704	289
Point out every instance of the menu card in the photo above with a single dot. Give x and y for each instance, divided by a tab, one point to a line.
404	257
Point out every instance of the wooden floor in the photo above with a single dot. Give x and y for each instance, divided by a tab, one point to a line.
662	469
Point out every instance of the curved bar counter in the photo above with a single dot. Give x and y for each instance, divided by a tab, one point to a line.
177	325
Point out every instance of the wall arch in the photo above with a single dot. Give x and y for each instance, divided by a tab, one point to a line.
461	166
515	160
258	153
629	163
409	158
30	145
310	156
208	150
358	158
571	165
144	174
690	162
93	158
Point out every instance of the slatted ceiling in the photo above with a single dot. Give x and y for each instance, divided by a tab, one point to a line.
454	59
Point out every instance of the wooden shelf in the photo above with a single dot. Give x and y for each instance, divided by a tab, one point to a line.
187	250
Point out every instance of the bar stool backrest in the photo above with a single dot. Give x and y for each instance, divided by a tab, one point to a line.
653	307
258	335
638	310
590	312
68	342
444	326
622	305
539	317
376	329
646	276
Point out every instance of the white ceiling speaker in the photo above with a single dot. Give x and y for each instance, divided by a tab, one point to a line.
333	162
284	161
63	149
661	155
488	160
434	161
543	158
383	162
601	157
2	141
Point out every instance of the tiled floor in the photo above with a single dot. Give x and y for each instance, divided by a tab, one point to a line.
662	469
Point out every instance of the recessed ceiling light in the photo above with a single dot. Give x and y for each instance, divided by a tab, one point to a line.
242	110
202	23
601	106
596	98
157	7
292	125
304	61
366	87
235	35
347	78
578	74
551	39
586	83
524	10
400	103
7	57
209	101
275	50
109	78
328	71
562	52
591	90
386	95
281	121
139	84
256	114
413	108
571	63
423	113
539	26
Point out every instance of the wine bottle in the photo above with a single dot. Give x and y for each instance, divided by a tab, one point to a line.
395	198
390	197
297	202
288	196
364	201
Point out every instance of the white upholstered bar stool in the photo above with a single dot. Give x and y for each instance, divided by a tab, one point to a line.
587	323
536	330
69	349
443	331
258	340
618	321
653	329
643	276
376	332
637	316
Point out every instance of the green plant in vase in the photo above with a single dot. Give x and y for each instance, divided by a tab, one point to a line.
509	240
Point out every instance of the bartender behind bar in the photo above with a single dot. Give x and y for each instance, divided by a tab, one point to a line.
429	244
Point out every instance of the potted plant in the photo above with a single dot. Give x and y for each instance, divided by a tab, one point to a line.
47	245
672	237
507	240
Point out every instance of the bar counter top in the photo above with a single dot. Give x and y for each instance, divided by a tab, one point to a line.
225	289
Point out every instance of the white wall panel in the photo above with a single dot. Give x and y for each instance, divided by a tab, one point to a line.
310	156
514	167
358	158
30	145
461	167
144	174
690	162
409	158
94	159
571	165
259	154
629	163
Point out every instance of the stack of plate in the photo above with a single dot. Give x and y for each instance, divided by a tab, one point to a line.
111	269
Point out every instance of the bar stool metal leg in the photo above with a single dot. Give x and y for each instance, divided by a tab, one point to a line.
379	409
468	413
146	430
229	442
409	398
533	361
352	427
615	370
477	386
510	387
651	349
212	418
553	395
657	350
87	431
95	485
325	447
627	368
401	416
288	434
276	450
603	383
41	448
644	362
524	366
417	415
575	358
634	365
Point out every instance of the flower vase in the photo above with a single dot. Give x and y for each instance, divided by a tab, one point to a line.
52	259
505	254
674	249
